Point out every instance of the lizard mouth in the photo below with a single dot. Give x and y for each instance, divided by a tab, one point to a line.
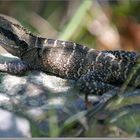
13	49
10	42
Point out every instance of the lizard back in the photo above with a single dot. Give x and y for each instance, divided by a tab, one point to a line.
70	60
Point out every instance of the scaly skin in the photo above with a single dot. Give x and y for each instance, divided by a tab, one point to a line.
94	71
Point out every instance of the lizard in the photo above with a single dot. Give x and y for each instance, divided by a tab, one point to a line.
95	71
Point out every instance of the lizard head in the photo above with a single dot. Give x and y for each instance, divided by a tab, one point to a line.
13	37
11	47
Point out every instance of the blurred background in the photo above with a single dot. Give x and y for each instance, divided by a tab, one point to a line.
100	24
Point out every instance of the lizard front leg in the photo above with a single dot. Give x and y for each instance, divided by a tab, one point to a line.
15	67
95	82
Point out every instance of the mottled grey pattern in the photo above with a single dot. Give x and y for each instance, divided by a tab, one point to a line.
94	71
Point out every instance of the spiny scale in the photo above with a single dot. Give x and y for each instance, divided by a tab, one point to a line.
94	71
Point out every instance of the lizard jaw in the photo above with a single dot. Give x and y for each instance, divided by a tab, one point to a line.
13	49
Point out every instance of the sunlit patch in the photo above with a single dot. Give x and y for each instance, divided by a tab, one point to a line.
12	83
5	119
56	101
53	83
36	113
4	99
8	55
